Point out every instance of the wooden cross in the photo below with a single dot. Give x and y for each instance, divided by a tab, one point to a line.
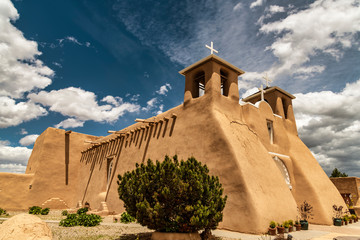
267	79
261	89
211	48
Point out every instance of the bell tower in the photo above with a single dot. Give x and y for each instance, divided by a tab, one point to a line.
211	76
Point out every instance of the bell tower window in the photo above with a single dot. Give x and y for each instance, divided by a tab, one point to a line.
200	83
224	83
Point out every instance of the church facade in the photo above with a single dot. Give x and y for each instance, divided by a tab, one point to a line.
266	170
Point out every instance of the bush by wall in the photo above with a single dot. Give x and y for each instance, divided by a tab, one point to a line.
2	211
36	210
82	219
173	196
126	218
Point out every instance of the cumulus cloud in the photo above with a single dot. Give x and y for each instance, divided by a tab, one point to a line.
329	125
23	131
12	113
13	155
257	3
70	123
28	140
276	9
327	26
164	89
13	168
238	6
82	105
20	70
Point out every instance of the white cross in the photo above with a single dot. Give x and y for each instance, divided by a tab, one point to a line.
211	48
267	79
261	89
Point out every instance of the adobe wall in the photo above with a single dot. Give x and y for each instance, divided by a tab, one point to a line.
351	185
45	176
233	141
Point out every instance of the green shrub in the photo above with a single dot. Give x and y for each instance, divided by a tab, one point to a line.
89	220
64	213
36	210
173	196
83	219
2	211
82	210
126	218
45	211
70	220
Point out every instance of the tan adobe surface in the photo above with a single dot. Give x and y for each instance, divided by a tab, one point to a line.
265	168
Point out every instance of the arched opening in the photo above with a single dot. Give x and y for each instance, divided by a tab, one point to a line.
284	171
199	80
224	83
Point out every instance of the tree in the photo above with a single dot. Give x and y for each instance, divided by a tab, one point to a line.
337	173
173	196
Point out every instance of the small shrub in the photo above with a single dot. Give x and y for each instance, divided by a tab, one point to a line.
2	211
64	213
45	211
83	219
82	210
291	223
89	220
71	220
35	210
126	218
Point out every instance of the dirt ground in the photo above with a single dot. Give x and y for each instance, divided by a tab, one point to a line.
108	230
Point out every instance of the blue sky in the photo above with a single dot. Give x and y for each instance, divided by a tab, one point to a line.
93	66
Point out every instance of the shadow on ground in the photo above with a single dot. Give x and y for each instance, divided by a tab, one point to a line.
138	236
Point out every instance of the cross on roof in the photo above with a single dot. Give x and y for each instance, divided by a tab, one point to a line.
267	79
211	48
261	89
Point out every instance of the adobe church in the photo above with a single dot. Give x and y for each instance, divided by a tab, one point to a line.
254	148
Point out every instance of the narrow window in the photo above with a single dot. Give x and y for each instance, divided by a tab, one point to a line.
270	130
285	107
224	79
109	170
200	82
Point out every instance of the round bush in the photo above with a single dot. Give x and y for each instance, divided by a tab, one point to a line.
173	196
45	211
36	210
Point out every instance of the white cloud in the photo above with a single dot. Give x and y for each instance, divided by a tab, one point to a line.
238	6
70	123
164	89
327	26
329	125
249	92
161	109
12	113
20	70
12	168
276	9
28	140
82	105
13	155
257	3
23	131
151	104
